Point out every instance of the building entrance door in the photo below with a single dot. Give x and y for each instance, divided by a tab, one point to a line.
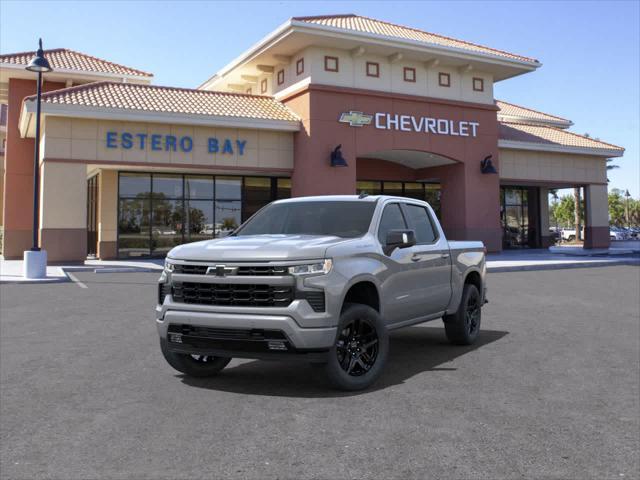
519	215
92	216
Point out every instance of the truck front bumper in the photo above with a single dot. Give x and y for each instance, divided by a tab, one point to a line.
241	335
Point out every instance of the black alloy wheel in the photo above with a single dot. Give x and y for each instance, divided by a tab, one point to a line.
357	347
463	326
472	314
361	348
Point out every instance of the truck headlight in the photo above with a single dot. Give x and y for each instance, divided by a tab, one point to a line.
318	268
168	266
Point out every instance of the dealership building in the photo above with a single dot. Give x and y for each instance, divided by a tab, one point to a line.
323	105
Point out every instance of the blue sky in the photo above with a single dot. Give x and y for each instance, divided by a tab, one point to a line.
589	50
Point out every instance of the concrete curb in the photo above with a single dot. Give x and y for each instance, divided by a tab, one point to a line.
561	266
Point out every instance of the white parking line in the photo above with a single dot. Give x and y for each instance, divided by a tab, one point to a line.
75	280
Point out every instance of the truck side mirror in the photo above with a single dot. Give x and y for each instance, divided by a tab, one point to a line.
399	239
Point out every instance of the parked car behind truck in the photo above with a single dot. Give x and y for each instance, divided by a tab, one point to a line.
320	279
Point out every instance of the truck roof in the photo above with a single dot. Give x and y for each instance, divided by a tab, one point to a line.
341	198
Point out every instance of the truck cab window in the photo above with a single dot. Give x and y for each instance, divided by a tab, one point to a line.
392	219
419	220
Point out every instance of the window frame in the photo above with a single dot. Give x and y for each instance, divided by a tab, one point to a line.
263	85
407	70
443	75
280	76
405	212
480	82
384	207
300	66
377	67
328	58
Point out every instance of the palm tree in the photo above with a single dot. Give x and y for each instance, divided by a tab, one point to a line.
576	210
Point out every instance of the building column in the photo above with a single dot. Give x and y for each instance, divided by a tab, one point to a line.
596	216
63	211
18	173
107	214
546	240
312	170
470	203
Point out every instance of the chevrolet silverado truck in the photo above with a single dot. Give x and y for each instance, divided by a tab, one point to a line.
319	279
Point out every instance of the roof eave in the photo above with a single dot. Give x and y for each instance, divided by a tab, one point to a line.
88	73
543	147
466	54
293	25
532	121
120	114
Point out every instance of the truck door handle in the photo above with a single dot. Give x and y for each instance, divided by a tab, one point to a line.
416	257
444	255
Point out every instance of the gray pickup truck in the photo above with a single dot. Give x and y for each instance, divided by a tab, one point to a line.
319	279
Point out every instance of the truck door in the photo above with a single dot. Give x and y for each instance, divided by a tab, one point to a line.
431	259
400	294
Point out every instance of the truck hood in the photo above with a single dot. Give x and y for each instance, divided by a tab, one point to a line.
258	248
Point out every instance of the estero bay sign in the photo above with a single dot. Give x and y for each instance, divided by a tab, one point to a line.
411	123
171	143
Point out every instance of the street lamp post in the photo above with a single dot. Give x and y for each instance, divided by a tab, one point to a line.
35	260
626	208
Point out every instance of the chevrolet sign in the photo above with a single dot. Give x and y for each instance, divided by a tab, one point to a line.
410	123
355	119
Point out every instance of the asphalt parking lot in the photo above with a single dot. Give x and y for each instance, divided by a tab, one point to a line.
551	390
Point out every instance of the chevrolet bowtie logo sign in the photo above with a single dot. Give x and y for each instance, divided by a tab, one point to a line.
356	119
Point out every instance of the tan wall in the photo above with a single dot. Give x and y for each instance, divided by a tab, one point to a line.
108	206
552	167
63	195
352	73
80	139
598	201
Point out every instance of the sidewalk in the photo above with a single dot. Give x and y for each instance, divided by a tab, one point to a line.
506	261
544	259
11	270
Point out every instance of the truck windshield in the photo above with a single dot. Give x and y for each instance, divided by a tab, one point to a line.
341	219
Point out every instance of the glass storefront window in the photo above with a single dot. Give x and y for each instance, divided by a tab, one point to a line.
228	188
159	211
135	184
199	223
167	224
371	188
198	188
167	186
133	227
256	194
392	188
432	194
414	190
228	217
283	188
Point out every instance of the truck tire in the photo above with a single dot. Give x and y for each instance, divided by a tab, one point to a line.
361	348
462	327
193	365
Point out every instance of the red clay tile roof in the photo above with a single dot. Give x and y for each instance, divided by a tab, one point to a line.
152	98
370	25
65	59
544	135
513	110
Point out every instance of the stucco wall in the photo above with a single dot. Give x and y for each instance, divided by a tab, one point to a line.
352	73
551	167
85	140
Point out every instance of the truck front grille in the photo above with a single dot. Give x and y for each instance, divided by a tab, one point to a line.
233	294
266	270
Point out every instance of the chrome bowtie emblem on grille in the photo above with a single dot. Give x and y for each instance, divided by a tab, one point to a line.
221	270
355	119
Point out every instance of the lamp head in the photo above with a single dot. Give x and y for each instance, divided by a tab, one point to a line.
39	62
337	160
486	166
